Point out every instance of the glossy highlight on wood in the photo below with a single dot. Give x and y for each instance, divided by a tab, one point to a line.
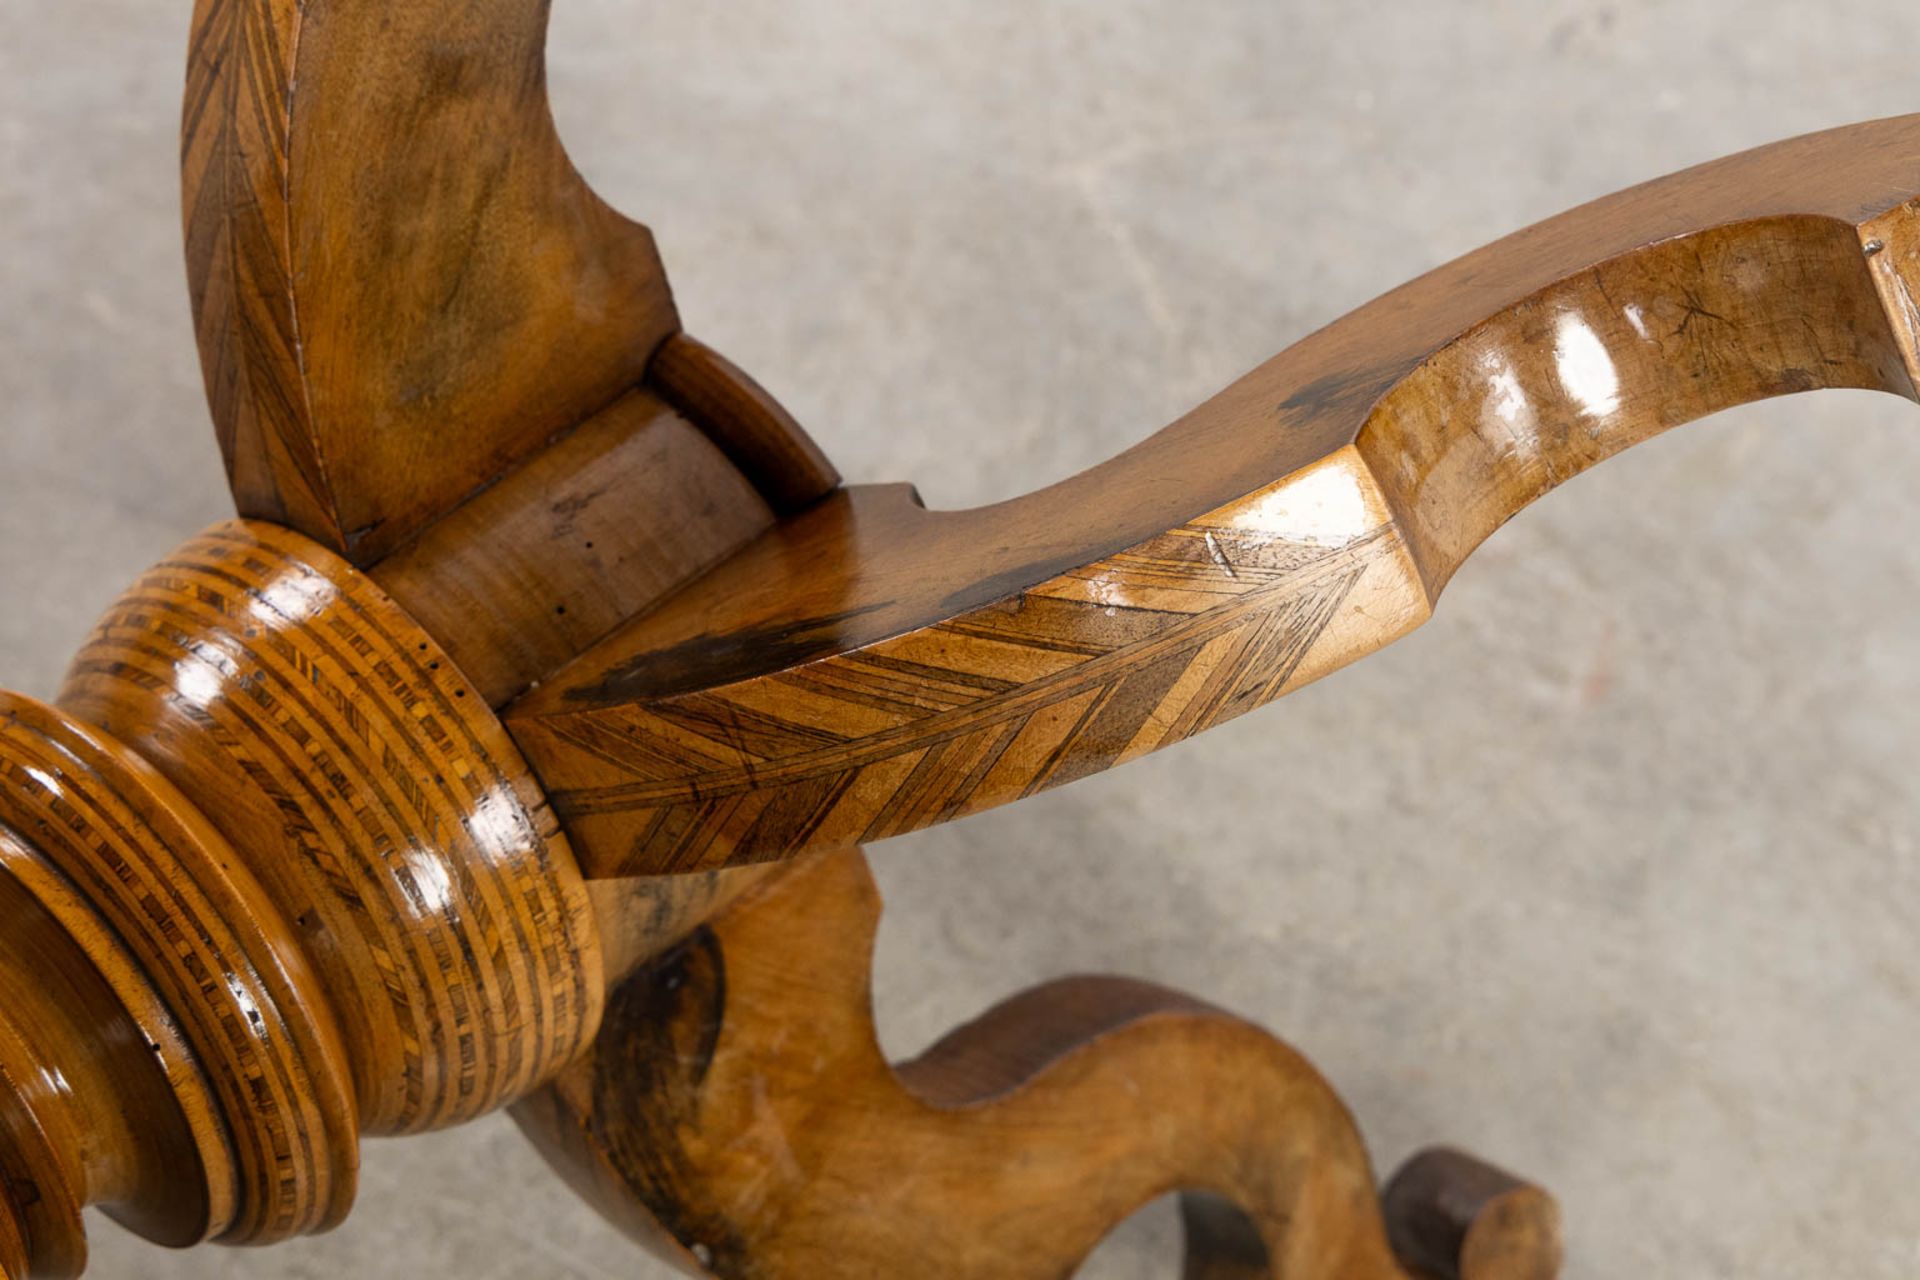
377	800
98	1092
868	667
174	895
514	747
271	874
1090	669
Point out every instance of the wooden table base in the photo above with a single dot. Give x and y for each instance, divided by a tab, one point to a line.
515	745
737	1112
383	930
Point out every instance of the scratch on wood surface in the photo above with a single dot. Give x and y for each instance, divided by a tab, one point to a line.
1220	557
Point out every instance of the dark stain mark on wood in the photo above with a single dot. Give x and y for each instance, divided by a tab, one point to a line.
658	1041
1348	393
706	661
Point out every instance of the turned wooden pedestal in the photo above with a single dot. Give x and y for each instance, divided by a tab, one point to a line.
515	745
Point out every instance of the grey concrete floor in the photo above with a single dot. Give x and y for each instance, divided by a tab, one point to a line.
1609	872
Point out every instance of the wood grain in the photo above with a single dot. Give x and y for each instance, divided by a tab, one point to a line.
736	1114
370	790
769	446
867	667
1088	670
101	1101
43	1174
15	1255
274	873
591	532
218	955
401	285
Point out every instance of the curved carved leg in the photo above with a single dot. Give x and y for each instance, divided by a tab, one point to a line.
736	1113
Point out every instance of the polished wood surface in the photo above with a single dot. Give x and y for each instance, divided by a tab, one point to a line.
366	784
598	528
167	890
736	1114
757	433
869	667
514	747
402	286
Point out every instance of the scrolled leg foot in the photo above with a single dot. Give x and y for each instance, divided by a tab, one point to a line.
736	1114
1452	1216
